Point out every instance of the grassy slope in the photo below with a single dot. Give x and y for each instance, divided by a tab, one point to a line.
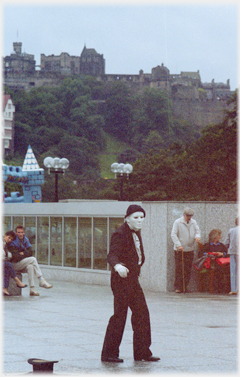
109	156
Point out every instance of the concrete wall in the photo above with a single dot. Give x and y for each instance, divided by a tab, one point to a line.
158	271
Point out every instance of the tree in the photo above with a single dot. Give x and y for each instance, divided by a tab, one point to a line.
118	112
152	112
203	170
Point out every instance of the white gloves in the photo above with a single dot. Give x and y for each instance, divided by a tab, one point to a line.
123	271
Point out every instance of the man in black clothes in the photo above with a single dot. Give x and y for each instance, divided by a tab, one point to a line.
126	257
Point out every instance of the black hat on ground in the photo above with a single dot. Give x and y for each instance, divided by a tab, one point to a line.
134	208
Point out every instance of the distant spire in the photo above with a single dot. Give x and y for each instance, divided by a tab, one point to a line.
30	162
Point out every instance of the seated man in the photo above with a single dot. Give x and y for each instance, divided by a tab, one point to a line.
8	269
24	262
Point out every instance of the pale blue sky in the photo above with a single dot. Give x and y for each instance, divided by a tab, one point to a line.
141	35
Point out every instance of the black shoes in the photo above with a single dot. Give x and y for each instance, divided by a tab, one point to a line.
148	358
117	360
112	359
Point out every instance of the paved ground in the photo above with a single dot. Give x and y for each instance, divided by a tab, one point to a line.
192	333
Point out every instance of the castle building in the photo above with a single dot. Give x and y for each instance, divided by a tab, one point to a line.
63	63
19	62
91	63
8	125
88	63
20	73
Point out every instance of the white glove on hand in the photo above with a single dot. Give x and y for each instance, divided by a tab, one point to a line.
123	271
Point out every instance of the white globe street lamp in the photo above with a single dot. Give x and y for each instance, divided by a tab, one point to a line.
121	170
57	166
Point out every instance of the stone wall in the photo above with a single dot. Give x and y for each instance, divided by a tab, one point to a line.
199	113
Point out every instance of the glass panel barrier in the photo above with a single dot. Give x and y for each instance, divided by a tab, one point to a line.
70	238
30	231
56	241
42	239
84	242
114	223
6	224
92	240
100	243
17	220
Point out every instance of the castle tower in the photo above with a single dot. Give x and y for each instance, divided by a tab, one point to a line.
17	47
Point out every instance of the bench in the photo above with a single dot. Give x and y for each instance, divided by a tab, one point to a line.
13	289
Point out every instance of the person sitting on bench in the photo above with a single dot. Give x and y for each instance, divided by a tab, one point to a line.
8	269
215	249
24	262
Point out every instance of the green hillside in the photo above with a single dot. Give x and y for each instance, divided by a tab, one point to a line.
110	154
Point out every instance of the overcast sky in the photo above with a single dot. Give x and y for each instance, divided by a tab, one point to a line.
132	36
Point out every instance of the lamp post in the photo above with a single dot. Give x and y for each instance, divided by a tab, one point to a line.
121	170
56	166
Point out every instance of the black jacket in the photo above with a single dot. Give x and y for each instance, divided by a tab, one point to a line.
123	250
208	248
15	248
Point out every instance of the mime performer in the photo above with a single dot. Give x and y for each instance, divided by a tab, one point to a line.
126	257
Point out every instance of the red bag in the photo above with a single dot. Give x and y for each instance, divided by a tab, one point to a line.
207	263
223	261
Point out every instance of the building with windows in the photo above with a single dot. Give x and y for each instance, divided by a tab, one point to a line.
8	125
71	238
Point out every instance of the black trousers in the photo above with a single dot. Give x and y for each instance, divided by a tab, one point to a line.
9	272
128	293
186	266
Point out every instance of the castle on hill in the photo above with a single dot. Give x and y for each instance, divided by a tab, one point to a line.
20	73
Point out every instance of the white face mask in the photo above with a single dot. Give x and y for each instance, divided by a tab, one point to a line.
135	220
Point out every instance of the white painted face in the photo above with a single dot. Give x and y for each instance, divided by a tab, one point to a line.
135	220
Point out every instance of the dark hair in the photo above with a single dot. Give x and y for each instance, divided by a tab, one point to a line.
19	227
11	234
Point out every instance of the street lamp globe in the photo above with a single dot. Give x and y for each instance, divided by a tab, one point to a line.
127	169
56	166
56	163
114	167
48	162
64	163
120	170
